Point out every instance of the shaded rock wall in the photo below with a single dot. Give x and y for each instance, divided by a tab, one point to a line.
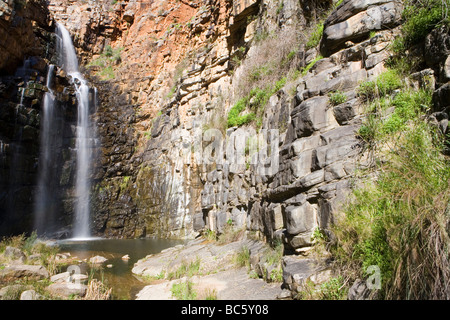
27	49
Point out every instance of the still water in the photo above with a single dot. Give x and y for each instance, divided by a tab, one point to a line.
124	284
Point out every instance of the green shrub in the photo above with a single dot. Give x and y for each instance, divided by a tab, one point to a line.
388	81
315	36
255	101
337	97
421	17
397	222
367	90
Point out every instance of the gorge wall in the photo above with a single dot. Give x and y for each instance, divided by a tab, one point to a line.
169	72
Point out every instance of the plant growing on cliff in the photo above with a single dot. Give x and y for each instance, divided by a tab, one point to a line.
398	222
255	101
105	62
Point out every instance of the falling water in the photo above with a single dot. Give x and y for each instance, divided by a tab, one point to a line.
69	63
43	202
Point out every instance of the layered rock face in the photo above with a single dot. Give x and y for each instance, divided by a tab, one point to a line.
170	166
24	34
168	74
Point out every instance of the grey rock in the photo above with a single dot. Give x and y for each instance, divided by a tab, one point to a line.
296	270
301	166
344	82
345	112
300	219
30	295
24	271
358	291
340	134
199	222
356	26
311	115
300	240
97	260
15	254
306	143
441	97
12	292
67	289
349	8
326	155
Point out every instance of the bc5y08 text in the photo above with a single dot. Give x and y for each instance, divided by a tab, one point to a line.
246	309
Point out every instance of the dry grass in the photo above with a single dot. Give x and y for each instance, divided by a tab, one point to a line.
265	65
97	291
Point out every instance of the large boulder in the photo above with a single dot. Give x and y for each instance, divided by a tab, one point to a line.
21	271
67	289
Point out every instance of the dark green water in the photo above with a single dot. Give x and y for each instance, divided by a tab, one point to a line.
124	284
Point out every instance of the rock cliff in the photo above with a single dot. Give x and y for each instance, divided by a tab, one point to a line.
169	74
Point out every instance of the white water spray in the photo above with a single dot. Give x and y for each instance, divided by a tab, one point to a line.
69	63
43	200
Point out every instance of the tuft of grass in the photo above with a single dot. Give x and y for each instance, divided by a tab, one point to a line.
184	291
242	258
255	101
315	36
185	269
306	69
399	221
337	98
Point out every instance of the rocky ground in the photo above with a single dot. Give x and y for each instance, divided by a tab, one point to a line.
214	270
237	270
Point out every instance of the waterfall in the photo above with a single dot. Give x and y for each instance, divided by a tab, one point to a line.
43	212
69	63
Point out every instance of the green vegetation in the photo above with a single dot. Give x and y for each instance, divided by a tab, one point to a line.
105	63
255	100
383	121
242	258
185	269
337	97
315	36
305	70
398	221
421	17
183	291
333	289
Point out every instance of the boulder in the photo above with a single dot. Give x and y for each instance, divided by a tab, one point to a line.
300	219
67	289
30	295
24	271
441	98
359	291
13	292
15	254
97	260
